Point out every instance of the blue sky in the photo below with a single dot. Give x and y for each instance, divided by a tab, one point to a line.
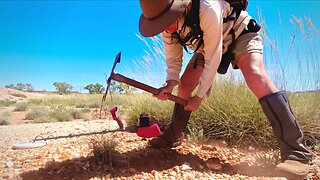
42	42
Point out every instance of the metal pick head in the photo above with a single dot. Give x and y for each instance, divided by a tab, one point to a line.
117	60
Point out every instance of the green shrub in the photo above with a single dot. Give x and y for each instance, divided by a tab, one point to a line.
21	106
6	103
102	149
36	102
233	113
77	114
61	114
81	105
159	111
85	110
306	108
43	119
37	113
93	105
5	118
18	95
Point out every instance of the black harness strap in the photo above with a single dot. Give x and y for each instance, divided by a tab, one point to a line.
192	21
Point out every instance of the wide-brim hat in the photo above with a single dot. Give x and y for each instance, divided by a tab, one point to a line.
157	15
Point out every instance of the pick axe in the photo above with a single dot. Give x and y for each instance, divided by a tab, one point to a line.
136	84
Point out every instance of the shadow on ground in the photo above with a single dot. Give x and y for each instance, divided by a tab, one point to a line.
135	162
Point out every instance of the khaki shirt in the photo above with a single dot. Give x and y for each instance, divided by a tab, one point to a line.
216	41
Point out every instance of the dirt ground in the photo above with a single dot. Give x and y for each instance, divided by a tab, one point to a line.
72	158
69	155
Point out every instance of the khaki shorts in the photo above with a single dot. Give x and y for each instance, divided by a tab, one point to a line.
247	43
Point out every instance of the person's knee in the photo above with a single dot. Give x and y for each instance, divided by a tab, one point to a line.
254	74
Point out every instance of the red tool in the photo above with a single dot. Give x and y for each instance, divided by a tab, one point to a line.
113	112
149	131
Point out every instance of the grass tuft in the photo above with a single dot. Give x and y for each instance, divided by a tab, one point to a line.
19	95
37	113
21	106
5	118
61	114
7	103
102	149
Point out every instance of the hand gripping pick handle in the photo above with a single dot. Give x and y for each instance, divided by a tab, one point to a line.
136	84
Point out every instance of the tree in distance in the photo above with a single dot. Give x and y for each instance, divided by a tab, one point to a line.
62	87
95	88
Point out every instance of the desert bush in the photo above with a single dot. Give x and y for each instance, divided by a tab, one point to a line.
77	114
85	110
5	118
36	102
159	111
43	119
93	105
60	113
37	113
21	106
306	106
6	103
102	149
232	113
18	95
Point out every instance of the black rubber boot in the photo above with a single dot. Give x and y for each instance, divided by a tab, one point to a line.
294	154
174	131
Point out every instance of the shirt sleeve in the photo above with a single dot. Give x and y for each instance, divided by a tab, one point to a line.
173	54
211	22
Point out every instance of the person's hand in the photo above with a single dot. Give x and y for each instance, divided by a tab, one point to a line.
193	103
166	90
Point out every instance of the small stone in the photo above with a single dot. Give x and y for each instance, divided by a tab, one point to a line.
132	170
52	165
233	150
209	148
123	171
250	148
216	167
185	167
176	168
108	176
173	173
214	164
9	164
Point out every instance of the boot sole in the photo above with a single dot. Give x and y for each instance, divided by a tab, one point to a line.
289	175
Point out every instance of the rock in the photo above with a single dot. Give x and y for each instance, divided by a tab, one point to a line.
120	160
209	148
9	164
108	176
122	171
173	173
317	162
185	167
216	167
214	164
234	150
52	165
132	170
176	168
